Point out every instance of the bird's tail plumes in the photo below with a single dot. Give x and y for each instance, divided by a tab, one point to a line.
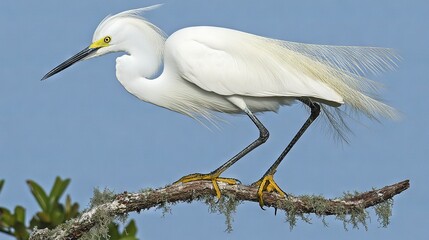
343	68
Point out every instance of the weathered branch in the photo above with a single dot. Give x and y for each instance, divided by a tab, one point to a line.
124	203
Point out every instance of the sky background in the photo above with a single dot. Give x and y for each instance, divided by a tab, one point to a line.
83	125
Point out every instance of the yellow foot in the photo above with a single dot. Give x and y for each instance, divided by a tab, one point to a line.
267	183
214	178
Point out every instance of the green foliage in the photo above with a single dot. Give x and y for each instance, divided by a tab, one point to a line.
128	233
1	184
53	213
13	223
112	233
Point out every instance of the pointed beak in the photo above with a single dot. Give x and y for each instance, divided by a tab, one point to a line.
76	58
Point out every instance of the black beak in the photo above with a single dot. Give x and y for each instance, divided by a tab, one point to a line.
76	58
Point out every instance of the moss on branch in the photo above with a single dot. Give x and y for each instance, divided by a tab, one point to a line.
351	209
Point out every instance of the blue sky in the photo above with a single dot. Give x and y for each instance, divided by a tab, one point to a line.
83	125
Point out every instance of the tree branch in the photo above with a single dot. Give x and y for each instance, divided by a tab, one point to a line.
123	203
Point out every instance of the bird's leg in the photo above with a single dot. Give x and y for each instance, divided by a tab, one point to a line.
267	183
214	175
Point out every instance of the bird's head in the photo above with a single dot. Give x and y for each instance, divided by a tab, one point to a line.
113	34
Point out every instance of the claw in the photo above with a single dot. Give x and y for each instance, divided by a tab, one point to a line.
214	178
267	183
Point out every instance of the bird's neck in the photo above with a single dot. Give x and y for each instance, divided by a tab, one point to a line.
146	60
145	44
136	70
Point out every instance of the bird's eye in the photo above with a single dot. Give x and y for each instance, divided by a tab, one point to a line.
107	39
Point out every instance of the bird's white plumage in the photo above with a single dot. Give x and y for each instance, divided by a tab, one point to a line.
218	60
217	69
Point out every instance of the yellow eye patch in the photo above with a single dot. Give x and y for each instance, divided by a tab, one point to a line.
103	42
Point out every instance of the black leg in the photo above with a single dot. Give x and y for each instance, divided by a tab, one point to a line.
214	175
267	183
315	110
263	137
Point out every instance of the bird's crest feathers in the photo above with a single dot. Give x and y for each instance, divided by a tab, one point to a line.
133	13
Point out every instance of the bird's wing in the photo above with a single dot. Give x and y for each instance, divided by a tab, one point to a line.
229	62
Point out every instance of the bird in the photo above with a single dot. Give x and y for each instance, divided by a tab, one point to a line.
200	71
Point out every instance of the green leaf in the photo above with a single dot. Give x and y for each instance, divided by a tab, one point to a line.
20	214
70	210
129	238
68	204
1	184
4	211
44	217
130	229
39	194
57	217
34	222
74	211
6	218
114	232
67	207
57	191
21	231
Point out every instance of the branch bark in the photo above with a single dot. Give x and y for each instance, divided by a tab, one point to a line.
187	192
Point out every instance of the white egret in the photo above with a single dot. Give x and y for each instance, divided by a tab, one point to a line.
212	69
